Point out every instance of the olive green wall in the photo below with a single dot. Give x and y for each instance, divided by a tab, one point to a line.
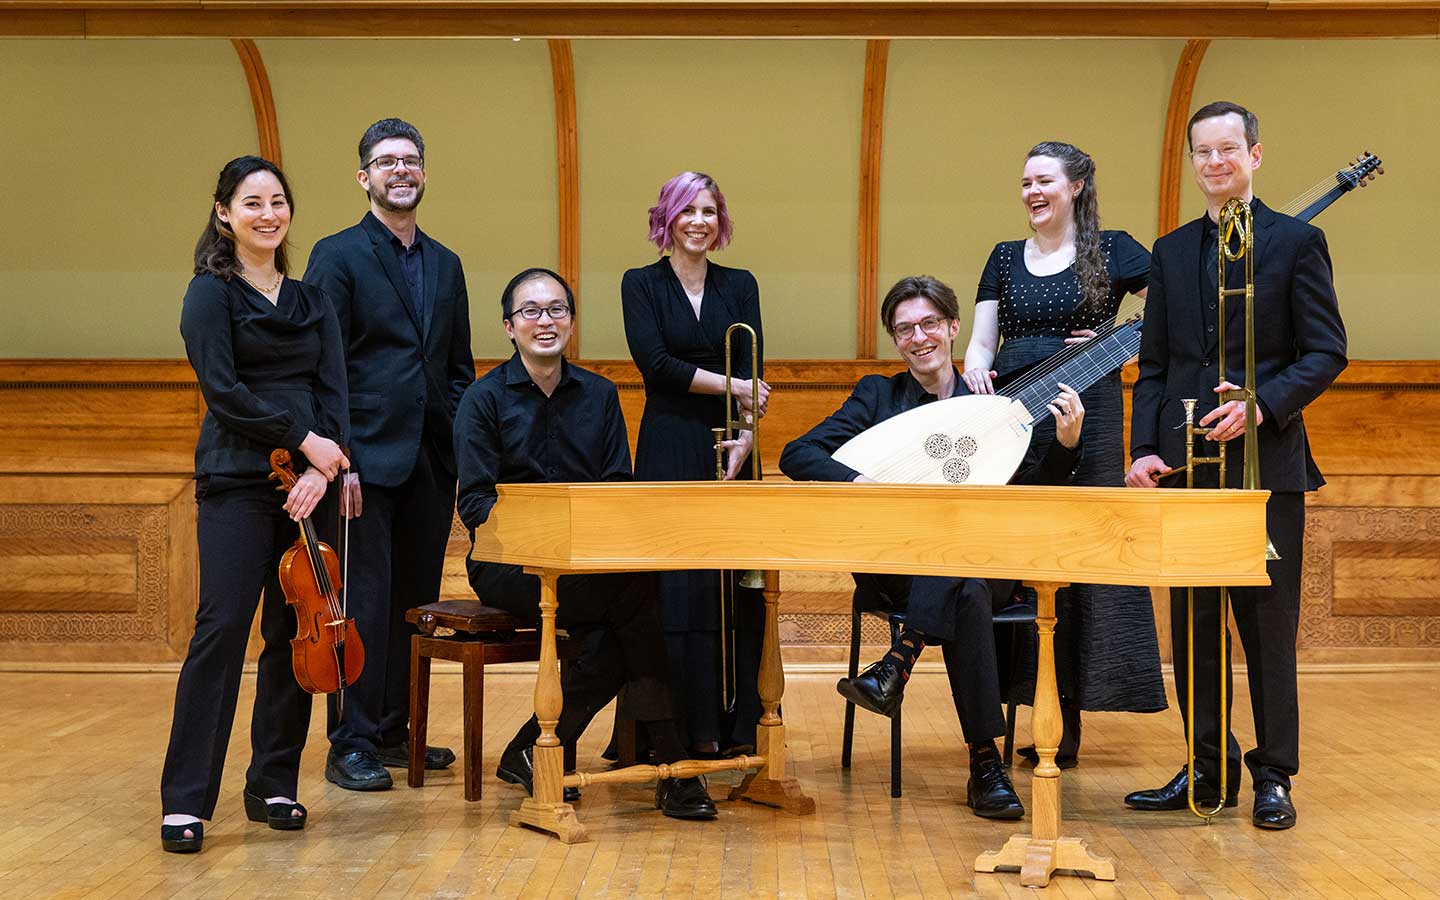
776	123
959	118
1320	104
114	146
112	149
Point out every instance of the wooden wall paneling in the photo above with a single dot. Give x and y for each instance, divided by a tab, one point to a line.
567	174
872	130
93	570
100	451
267	128
757	18
1172	148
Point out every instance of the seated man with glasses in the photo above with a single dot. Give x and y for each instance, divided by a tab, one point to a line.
537	418
922	316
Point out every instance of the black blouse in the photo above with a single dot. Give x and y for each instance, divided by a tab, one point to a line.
1033	305
269	373
668	343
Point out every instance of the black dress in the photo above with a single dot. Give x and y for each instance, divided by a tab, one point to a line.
668	343
1107	656
270	374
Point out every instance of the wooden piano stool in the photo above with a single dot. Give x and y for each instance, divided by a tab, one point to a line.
483	635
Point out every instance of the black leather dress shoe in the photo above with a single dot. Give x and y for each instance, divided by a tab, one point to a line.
1172	795
517	766
880	688
684	798
358	771
398	757
989	793
1273	808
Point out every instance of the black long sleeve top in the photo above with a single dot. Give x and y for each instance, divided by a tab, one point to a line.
270	373
508	432
877	398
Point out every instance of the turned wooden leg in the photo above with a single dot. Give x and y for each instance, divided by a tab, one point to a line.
546	809
419	711
771	784
1038	854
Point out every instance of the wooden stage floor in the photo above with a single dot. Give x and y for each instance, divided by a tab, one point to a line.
79	809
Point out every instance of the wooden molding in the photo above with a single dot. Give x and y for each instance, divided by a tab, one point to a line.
567	174
1172	155
872	130
1290	19
267	129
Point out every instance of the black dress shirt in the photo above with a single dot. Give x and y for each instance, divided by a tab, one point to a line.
508	432
877	398
412	263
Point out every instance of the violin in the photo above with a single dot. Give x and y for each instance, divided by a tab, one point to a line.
327	653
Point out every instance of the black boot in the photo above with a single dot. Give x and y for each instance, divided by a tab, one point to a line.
989	792
1068	756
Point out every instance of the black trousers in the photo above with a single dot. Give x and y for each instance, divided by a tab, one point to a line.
242	534
397	555
614	617
1268	619
956	612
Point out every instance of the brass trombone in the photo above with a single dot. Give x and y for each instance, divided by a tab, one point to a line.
1235	242
750	578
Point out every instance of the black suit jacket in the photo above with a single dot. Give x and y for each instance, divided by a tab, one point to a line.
406	376
1299	345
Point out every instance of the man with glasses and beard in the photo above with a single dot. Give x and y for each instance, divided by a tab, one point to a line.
404	317
922	316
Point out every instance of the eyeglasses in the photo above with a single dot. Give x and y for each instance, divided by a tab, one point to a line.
388	163
532	313
905	331
1229	151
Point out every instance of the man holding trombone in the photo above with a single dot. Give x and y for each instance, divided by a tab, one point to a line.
1298	350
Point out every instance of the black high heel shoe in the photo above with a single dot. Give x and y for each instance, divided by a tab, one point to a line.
173	839
280	816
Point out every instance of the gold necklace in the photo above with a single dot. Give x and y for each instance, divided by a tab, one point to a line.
279	277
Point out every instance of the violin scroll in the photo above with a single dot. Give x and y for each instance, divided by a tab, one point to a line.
281	470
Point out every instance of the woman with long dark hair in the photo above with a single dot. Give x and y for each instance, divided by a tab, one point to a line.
268	357
677	310
1039	295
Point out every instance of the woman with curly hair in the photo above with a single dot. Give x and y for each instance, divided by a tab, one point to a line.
1036	296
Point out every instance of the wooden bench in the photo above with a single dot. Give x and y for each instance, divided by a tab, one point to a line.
483	635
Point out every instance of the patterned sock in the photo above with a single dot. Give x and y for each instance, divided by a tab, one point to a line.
905	650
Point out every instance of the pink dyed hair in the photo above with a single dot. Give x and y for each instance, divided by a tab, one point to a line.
678	193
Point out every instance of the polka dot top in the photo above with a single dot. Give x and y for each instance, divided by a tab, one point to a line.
1032	305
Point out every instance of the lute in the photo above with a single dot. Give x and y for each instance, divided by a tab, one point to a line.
982	438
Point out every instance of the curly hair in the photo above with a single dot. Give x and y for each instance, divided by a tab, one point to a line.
1089	265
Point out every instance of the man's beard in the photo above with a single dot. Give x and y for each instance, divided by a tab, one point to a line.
379	196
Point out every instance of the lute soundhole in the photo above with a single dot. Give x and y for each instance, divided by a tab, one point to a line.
955	469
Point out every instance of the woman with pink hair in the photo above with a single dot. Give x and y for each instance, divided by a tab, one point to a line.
676	312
